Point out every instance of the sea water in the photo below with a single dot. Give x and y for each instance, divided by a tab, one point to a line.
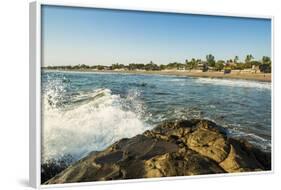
84	112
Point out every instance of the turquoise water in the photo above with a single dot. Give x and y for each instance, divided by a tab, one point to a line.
83	112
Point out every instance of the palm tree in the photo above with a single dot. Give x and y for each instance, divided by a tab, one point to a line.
193	63
236	58
210	60
248	58
187	64
266	60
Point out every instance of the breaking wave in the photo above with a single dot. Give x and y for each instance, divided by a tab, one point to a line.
88	121
234	83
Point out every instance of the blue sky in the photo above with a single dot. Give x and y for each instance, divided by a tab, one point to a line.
72	36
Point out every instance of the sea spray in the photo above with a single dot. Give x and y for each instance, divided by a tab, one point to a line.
90	121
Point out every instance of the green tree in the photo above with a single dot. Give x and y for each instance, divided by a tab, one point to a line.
210	60
236	58
240	66
248	58
162	67
193	63
187	65
219	65
151	66
266	60
265	67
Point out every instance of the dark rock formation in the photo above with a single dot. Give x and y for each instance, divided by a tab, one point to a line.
174	148
54	166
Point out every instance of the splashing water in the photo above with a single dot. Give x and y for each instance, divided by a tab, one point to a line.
92	121
85	112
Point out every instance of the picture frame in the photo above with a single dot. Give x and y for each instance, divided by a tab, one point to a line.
35	131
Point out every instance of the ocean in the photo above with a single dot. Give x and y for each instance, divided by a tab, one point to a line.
88	111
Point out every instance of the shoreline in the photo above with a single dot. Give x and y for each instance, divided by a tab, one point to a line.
262	77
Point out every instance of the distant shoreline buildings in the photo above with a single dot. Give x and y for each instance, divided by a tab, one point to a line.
210	64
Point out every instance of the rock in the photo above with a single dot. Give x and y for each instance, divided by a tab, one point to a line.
174	164
244	157
209	141
173	148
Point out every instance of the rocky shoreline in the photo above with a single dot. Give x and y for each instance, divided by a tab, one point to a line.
173	148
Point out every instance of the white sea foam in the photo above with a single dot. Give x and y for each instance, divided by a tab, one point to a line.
234	83
92	124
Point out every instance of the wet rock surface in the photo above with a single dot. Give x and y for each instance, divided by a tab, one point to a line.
173	148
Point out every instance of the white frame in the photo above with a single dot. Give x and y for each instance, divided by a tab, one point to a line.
35	92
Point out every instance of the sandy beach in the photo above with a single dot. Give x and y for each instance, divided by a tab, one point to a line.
265	77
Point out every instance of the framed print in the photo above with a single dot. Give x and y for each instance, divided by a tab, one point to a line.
121	95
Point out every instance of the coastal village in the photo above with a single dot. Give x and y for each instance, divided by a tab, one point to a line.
249	65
